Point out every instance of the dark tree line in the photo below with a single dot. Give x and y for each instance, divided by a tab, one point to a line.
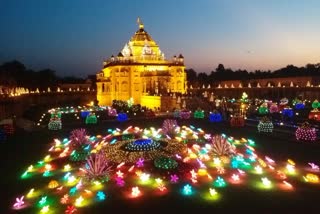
221	73
15	74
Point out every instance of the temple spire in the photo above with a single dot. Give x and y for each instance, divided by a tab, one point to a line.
141	26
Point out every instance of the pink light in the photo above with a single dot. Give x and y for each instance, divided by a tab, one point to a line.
186	159
194	180
202	165
140	162
314	166
162	187
19	202
193	174
281	175
120	182
235	177
120	165
178	156
174	178
269	160
120	174
271	167
131	168
64	199
241	172
287	184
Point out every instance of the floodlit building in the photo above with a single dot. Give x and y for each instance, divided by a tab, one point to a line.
141	72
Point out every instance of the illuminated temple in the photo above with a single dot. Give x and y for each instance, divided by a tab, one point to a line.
141	72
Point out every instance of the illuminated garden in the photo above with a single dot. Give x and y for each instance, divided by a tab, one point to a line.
137	163
86	127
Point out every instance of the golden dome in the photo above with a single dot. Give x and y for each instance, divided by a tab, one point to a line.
140	36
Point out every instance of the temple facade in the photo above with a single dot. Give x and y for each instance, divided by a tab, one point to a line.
140	72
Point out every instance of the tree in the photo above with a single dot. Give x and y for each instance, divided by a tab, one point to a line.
220	68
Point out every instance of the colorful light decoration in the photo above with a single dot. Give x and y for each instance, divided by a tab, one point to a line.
212	192
135	192
174	178
91	119
237	121
84	114
263	109
187	189
198	163
122	117
287	112
312	178
198	114
65	199
184	114
45	209
215	117
219	182
273	108
79	201
19	202
165	163
265	125
306	133
70	209
266	182
55	124
101	196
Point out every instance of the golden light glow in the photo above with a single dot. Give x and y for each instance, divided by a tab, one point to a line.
142	72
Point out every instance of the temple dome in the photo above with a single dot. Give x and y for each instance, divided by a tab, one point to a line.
142	47
140	36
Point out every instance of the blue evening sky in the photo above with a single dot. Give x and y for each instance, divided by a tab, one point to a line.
74	36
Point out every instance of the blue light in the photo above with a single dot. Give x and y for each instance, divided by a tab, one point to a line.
101	195
142	142
215	117
187	189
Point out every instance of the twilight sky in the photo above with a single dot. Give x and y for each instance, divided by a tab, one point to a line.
74	36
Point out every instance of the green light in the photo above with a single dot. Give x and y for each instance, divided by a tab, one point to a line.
47	173
40	163
219	182
25	174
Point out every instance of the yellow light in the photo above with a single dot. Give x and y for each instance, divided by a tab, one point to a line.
290	168
312	178
291	162
67	167
97	183
144	177
79	201
71	179
159	180
258	169
216	161
45	209
30	168
266	182
30	193
47	158
202	172
212	192
48	167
